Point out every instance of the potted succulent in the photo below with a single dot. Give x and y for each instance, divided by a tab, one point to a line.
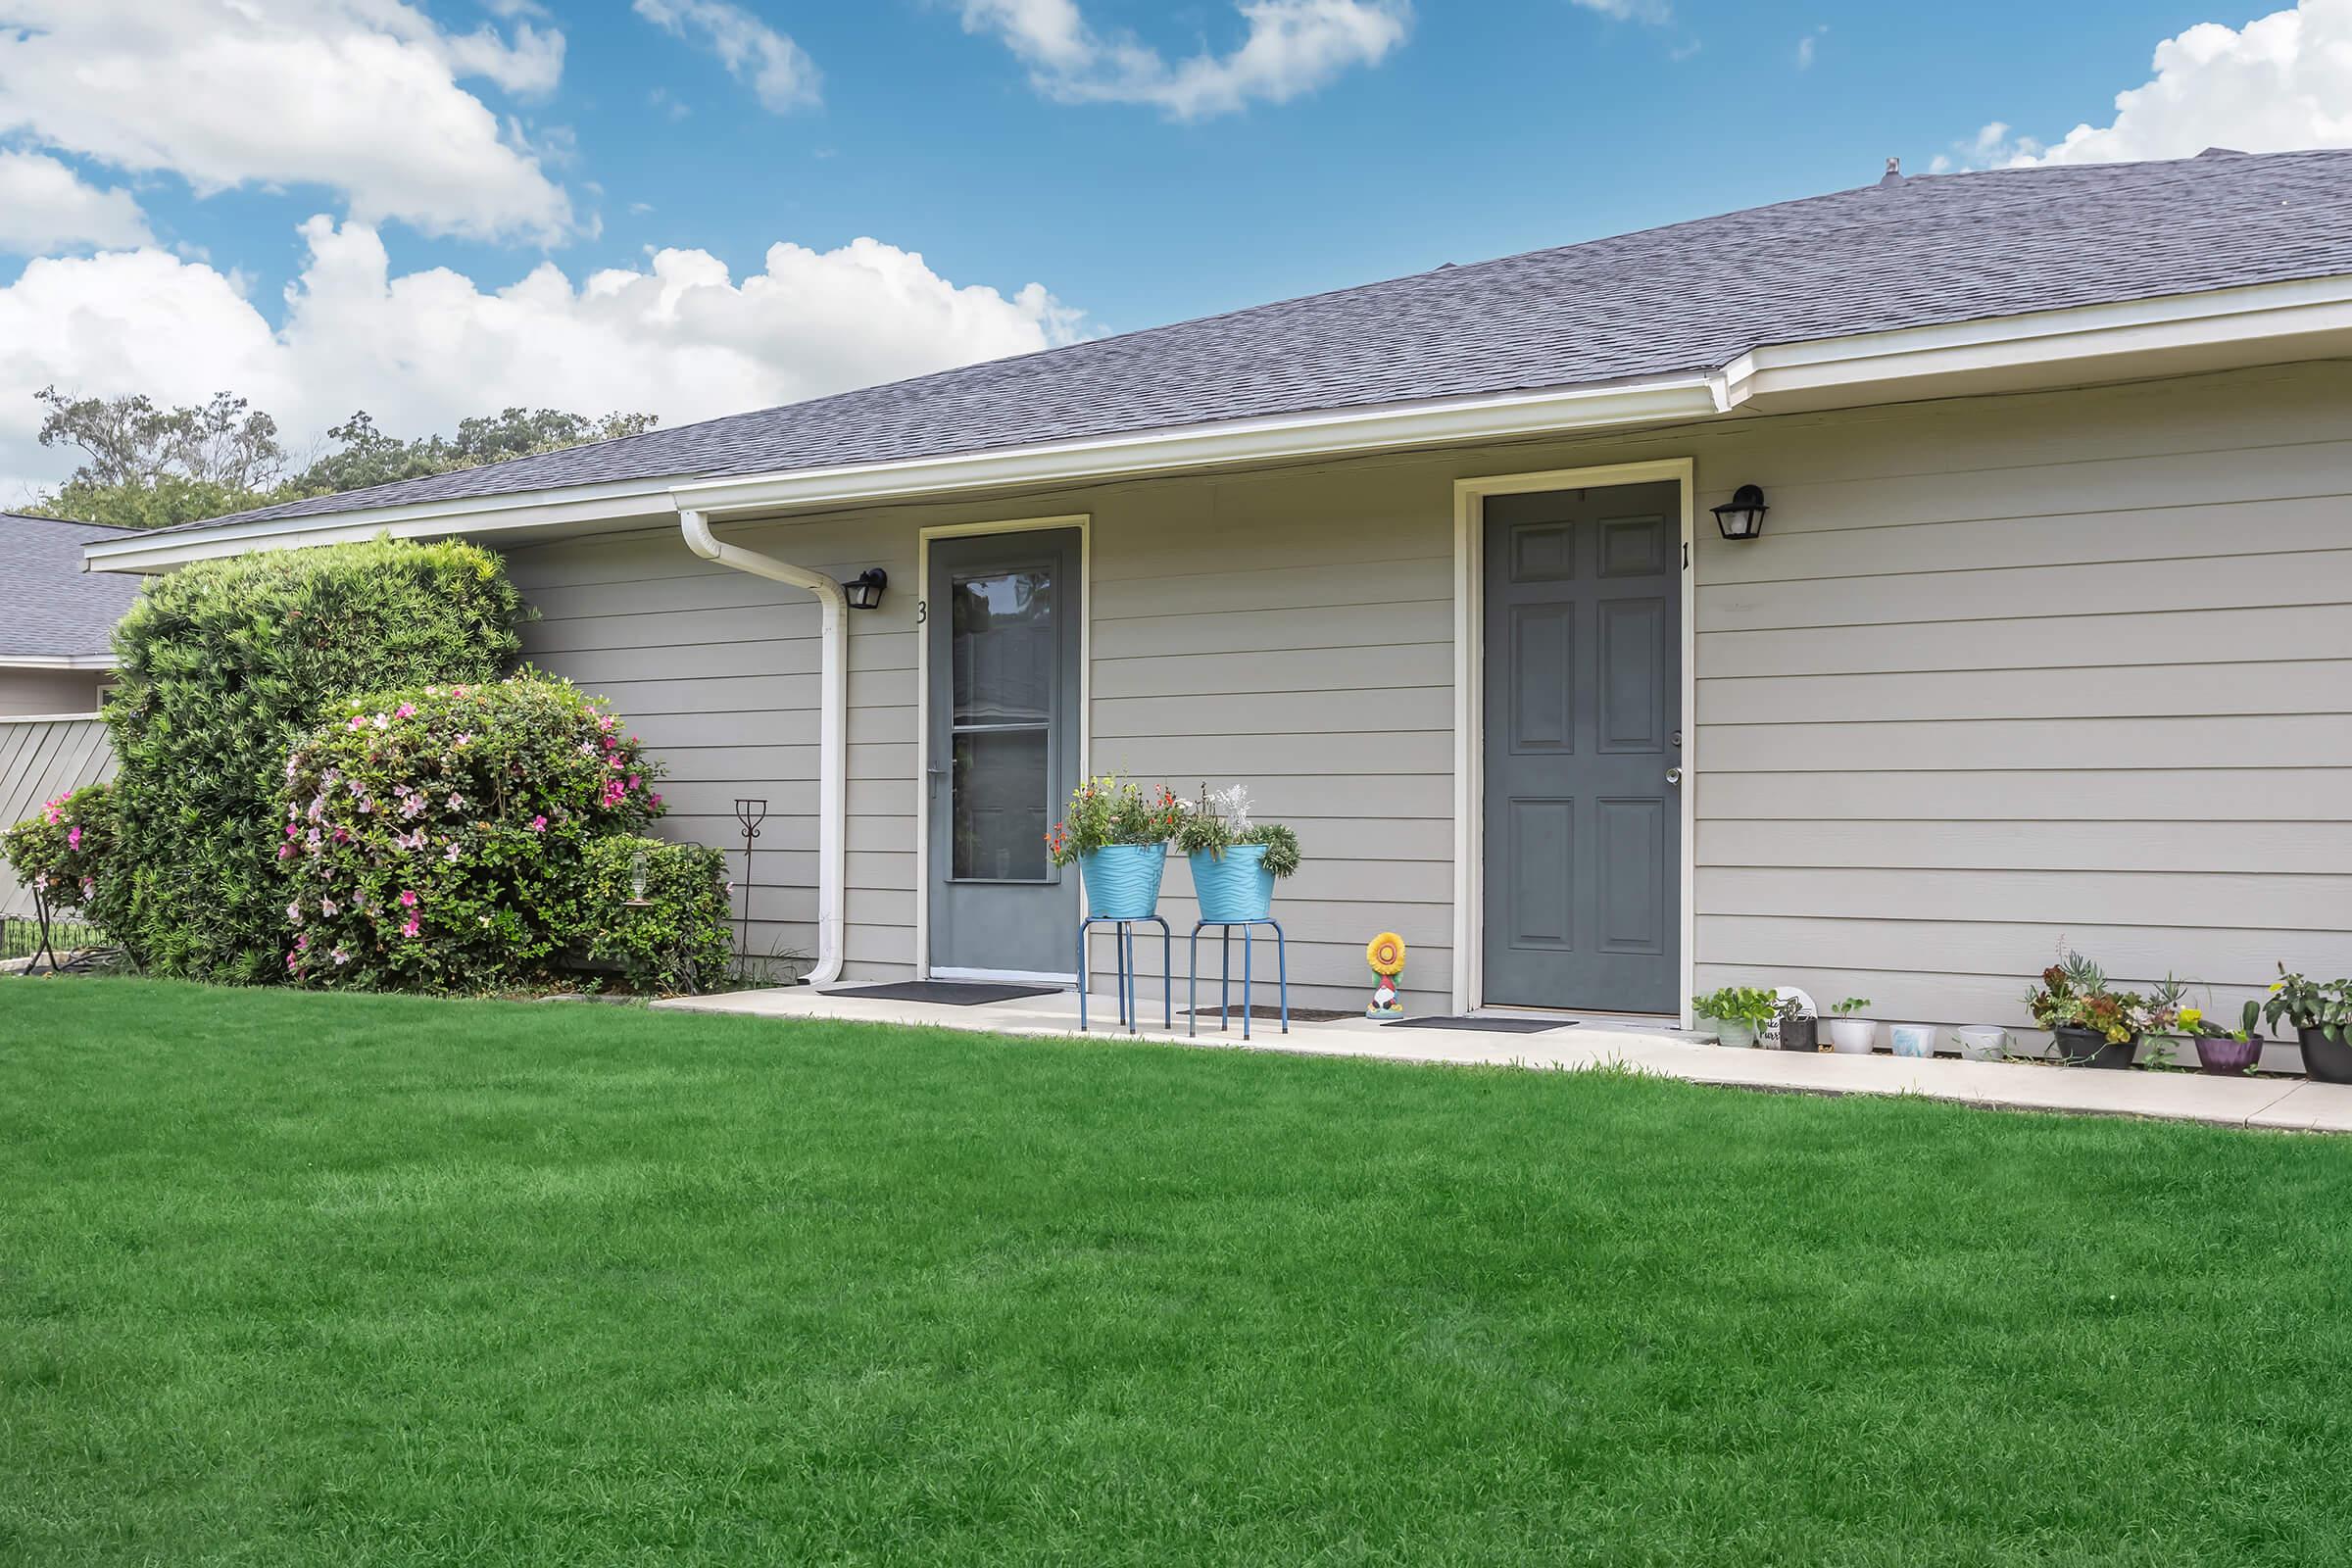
1119	837
2222	1050
1848	1035
1799	1029
2321	1012
1235	860
1740	1013
2092	1024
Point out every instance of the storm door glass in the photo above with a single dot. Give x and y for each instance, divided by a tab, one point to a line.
1006	662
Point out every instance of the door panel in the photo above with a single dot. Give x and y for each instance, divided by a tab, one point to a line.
1002	617
1583	721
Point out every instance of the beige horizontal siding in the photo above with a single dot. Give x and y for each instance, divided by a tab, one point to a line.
2001	669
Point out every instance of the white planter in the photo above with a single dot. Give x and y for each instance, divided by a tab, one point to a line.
1982	1042
1852	1036
1913	1040
1739	1036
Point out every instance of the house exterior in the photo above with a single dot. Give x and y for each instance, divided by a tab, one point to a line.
56	622
2044	637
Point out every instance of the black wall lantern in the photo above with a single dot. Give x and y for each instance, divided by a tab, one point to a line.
864	591
1743	516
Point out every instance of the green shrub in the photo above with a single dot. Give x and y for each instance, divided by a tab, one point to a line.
437	837
66	852
679	939
225	664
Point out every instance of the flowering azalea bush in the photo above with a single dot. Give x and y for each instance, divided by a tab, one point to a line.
437	837
64	851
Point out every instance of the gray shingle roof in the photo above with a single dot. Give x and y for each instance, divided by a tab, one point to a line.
49	607
1689	297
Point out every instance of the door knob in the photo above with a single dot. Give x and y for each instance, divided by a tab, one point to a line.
1673	777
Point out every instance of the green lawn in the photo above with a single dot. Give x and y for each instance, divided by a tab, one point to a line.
351	1281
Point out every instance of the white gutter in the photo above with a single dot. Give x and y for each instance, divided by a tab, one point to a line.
832	726
67	662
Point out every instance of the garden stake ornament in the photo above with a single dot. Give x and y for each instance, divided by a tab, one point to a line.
1386	954
750	814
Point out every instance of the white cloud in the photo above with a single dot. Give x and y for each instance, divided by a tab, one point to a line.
1806	46
2280	82
1652	11
360	96
775	67
679	336
1291	47
44	206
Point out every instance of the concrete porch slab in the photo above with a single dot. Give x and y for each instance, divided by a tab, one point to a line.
2282	1103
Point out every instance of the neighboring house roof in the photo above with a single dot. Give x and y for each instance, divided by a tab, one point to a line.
49	607
1689	298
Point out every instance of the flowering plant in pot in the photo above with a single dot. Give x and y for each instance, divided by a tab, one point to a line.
2092	1024
1740	1013
1848	1035
2220	1050
1235	860
2321	1012
1119	837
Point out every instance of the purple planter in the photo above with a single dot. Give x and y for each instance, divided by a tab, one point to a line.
2226	1056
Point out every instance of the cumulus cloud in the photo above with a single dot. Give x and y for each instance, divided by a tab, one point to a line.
44	206
1291	47
362	97
679	336
2280	82
771	65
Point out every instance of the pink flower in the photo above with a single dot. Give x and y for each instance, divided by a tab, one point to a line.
405	711
293	829
342	835
458	691
451	853
357	722
74	837
285	851
538	824
328	907
381	721
302	943
408	898
412	928
465	740
294	911
634	781
652	800
457	801
603	721
340	956
89	884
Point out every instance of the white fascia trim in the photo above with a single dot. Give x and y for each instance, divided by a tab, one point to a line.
48	718
423	519
1234	441
58	661
2171	322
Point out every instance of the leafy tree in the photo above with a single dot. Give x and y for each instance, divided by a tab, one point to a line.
146	466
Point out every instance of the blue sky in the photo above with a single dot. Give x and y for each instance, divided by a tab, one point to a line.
159	160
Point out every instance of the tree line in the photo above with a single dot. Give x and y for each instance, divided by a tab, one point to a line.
144	466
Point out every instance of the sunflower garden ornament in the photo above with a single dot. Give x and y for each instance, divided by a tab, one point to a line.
1386	954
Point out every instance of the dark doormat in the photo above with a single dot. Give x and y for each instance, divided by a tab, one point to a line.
1500	1026
953	993
1297	1014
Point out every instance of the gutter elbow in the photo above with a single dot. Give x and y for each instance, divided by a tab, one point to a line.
697	531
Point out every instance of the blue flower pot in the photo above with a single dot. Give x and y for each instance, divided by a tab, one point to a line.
1235	885
1122	880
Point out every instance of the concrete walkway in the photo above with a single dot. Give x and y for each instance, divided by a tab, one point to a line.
2283	1103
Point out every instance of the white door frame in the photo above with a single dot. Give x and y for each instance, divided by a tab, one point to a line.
1084	524
1470	709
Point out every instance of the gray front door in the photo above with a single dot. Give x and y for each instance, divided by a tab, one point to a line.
1583	717
1002	615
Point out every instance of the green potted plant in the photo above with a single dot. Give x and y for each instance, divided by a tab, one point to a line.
2222	1050
2321	1012
2092	1024
1119	837
1236	861
1848	1035
1740	1013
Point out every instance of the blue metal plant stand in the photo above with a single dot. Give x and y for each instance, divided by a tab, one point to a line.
1124	942
1191	983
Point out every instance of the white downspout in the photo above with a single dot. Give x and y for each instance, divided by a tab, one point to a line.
832	727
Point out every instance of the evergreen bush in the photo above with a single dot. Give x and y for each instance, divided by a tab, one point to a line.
225	664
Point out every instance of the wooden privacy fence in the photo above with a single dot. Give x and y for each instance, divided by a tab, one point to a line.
41	758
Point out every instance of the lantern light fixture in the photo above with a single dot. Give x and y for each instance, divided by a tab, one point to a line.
1743	516
864	591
